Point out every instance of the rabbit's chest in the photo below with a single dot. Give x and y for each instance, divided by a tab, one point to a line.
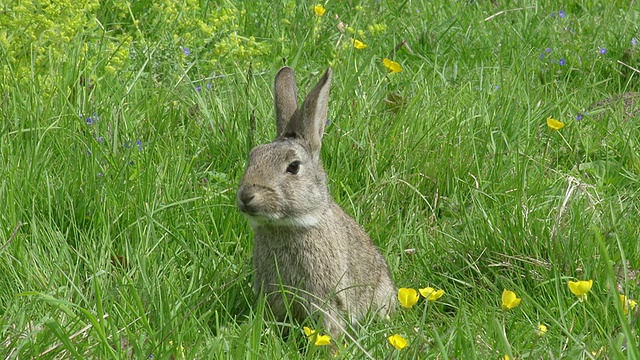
297	262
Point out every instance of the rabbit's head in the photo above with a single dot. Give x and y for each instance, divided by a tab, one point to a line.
285	184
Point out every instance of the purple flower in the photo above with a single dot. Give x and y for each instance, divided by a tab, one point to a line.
561	14
541	56
209	86
186	51
198	88
579	117
634	42
553	14
602	51
548	50
139	143
92	119
100	139
561	62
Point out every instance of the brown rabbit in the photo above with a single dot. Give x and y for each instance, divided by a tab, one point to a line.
305	244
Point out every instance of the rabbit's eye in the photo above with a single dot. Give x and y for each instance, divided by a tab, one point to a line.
294	167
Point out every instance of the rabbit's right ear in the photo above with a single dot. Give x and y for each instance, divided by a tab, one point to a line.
286	98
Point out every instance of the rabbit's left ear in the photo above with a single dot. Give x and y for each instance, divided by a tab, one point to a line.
285	93
313	113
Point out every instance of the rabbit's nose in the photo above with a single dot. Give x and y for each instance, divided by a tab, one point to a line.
244	199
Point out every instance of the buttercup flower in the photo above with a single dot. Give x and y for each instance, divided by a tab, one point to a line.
319	10
580	288
358	44
407	297
397	341
509	300
391	65
320	340
554	124
431	294
541	330
627	304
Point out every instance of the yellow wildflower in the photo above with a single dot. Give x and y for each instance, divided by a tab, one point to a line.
580	288
541	330
431	294
358	44
407	297
319	10
391	65
397	341
554	124
320	340
509	300
627	304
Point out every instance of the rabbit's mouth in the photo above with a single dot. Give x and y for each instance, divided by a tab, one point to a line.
279	220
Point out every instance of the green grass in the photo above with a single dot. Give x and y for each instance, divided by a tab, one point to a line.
111	248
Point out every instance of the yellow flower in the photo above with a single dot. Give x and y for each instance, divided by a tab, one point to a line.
319	10
397	341
627	303
323	340
358	44
391	65
541	330
509	300
431	294
580	288
320	340
554	124
506	357
408	297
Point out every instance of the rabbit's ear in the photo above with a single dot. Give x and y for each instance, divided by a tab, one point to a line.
285	97
313	117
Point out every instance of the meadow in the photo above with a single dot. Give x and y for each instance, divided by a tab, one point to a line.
496	148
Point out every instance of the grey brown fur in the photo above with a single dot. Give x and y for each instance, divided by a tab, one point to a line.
304	243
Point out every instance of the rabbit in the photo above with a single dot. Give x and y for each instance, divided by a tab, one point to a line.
305	245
